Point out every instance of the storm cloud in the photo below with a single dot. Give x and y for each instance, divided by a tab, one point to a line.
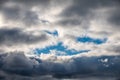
17	64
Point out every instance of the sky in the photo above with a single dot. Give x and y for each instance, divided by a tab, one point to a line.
59	39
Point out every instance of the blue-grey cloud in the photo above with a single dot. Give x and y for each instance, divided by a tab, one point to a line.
16	63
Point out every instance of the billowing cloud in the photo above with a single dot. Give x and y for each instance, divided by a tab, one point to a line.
17	64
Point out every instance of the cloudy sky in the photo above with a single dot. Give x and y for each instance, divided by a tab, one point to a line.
59	39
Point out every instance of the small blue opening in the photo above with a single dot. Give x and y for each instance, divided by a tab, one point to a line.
58	47
87	39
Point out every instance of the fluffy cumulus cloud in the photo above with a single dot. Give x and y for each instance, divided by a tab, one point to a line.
59	39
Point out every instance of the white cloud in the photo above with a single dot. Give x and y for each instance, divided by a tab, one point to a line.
93	23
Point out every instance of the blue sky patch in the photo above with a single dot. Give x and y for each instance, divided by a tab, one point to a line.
58	47
87	39
54	33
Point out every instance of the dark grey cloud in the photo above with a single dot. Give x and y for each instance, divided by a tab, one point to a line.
31	18
70	22
17	64
20	10
83	7
33	2
11	13
83	10
2	2
27	3
114	48
16	13
114	18
17	36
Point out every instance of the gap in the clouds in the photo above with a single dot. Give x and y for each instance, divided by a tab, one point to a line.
54	33
87	39
58	48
